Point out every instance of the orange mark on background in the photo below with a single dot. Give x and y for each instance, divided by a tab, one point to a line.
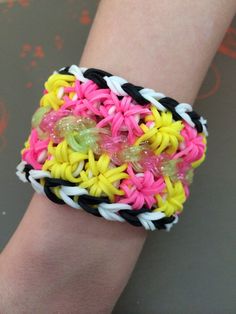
26	48
29	84
75	13
38	52
59	42
23	3
228	45
216	78
85	18
33	53
10	3
33	63
3	124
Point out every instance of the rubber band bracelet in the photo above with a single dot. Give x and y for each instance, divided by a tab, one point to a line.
116	150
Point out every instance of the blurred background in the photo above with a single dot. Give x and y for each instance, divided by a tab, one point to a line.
188	270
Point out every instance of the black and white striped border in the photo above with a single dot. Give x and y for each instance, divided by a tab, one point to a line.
143	96
98	206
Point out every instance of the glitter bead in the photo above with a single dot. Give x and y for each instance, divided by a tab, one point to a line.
148	161
82	141
72	123
38	116
189	176
48	122
111	145
169	168
64	126
185	172
130	154
41	135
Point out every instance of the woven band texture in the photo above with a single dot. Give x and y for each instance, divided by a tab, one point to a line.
116	150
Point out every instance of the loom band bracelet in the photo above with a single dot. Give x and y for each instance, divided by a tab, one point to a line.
104	209
109	211
143	96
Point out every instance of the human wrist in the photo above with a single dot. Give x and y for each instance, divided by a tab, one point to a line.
61	247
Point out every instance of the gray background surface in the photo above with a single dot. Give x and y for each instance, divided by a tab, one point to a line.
188	270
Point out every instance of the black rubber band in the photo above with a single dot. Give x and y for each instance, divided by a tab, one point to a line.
133	91
52	196
88	208
170	104
133	220
93	200
96	76
161	223
53	182
65	71
26	170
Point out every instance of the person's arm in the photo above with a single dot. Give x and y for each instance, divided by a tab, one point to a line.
61	259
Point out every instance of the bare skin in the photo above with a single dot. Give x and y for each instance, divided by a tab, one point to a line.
60	260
